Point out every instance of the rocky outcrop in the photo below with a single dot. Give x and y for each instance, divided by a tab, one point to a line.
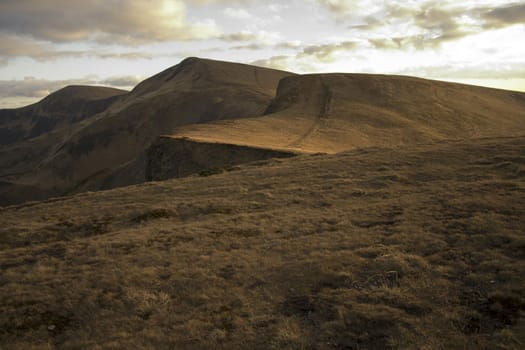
170	157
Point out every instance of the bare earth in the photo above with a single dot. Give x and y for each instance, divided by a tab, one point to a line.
410	247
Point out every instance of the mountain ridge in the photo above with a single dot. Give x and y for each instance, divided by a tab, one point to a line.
116	138
237	104
338	111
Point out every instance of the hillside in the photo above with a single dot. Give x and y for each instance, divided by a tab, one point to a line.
88	139
62	108
336	112
413	247
108	150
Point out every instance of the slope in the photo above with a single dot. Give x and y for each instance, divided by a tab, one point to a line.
61	108
108	150
336	112
419	247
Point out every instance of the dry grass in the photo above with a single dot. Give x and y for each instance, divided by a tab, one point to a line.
410	248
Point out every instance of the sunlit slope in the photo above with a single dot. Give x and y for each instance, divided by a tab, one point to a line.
335	112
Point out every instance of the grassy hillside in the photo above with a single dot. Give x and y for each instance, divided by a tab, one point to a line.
418	247
337	112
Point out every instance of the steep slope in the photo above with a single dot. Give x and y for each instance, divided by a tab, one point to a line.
169	157
336	112
108	150
418	247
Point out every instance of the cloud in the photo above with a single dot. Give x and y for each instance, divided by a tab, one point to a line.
260	46
339	6
240	36
423	24
117	21
16	46
236	13
220	2
276	62
306	59
325	53
253	47
504	16
262	38
12	46
386	43
489	70
31	87
122	81
276	7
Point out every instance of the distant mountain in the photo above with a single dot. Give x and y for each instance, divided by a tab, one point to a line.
62	108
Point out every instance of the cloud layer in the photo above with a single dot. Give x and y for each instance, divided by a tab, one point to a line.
118	39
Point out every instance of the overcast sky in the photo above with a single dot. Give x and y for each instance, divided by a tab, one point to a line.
47	44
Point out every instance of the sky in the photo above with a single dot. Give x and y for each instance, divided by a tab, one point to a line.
46	45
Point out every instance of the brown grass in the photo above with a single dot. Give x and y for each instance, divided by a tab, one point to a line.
410	248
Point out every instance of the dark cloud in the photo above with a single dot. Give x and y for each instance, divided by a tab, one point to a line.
386	43
115	21
240	36
505	16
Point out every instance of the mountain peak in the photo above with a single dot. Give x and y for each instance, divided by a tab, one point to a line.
203	72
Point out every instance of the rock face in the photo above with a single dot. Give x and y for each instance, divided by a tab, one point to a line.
178	157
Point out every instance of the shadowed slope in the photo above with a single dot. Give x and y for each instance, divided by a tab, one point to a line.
335	112
60	109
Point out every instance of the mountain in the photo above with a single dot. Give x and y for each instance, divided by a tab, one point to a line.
108	149
325	211
336	112
206	116
62	108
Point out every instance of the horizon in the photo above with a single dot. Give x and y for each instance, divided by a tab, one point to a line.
121	43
